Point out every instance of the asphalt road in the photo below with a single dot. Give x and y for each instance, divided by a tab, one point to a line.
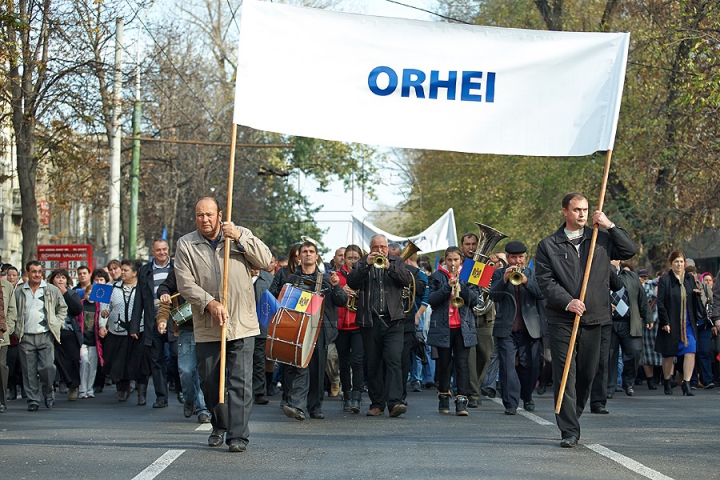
660	436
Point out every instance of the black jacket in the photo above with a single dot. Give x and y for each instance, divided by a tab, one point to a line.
439	299
145	304
503	294
334	297
74	308
560	271
668	306
394	279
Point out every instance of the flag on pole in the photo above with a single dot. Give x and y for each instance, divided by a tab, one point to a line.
266	308
428	85
476	273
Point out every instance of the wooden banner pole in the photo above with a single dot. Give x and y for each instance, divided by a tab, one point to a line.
583	290
226	262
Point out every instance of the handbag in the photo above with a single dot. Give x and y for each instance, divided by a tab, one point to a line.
701	314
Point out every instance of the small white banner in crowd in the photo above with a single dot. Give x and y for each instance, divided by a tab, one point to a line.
427	85
438	236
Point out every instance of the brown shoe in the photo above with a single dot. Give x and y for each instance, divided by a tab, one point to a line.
398	410
375	412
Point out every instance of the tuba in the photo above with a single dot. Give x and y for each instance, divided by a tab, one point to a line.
408	293
488	238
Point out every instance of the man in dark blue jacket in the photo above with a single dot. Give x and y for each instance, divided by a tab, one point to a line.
560	268
517	328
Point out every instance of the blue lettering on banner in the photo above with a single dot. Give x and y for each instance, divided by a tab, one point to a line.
471	84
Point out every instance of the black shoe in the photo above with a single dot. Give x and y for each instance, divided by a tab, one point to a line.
188	409
569	442
180	397
472	403
2	407
160	404
709	386
49	402
629	391
444	402
33	407
541	389
599	410
667	386
317	415
216	437
123	395
142	394
489	392
355	402
610	395
510	411
529	406
461	406
686	389
651	384
261	400
295	413
98	389
237	445
203	418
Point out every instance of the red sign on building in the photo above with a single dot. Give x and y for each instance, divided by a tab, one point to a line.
69	257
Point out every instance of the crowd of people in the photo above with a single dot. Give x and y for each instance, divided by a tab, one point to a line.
391	323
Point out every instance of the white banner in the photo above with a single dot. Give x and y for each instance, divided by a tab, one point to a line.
427	85
438	236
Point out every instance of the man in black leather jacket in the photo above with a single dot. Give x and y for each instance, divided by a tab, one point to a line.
380	317
560	267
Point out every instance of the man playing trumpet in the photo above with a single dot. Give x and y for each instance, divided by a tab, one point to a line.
379	279
517	328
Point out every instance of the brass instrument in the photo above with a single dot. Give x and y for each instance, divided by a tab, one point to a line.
380	261
456	300
488	238
408	293
516	277
351	304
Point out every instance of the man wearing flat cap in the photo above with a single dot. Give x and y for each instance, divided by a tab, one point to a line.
517	328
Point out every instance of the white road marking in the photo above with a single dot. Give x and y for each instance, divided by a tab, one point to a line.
158	465
628	463
528	415
204	427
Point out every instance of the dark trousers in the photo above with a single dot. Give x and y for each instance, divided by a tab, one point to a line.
631	352
258	376
383	345
598	394
583	367
157	353
4	371
233	415
704	356
350	355
460	354
99	382
306	384
518	381
67	358
406	360
479	360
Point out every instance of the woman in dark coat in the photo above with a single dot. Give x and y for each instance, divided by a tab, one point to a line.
67	352
677	333
452	330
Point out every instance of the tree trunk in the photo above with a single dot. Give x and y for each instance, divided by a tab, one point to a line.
27	174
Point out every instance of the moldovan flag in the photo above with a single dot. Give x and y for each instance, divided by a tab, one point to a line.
477	273
427	85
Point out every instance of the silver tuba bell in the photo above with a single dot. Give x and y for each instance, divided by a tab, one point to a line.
488	238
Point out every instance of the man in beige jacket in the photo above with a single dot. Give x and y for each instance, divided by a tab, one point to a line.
199	261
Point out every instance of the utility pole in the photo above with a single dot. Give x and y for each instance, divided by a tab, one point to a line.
114	234
135	169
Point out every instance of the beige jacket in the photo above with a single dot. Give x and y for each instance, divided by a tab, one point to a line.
9	309
199	279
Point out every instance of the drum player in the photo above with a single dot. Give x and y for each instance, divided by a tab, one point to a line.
306	384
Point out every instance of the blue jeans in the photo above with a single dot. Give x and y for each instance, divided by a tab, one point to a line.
189	378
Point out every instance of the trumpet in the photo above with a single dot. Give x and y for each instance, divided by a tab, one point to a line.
456	300
351	304
380	261
516	276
